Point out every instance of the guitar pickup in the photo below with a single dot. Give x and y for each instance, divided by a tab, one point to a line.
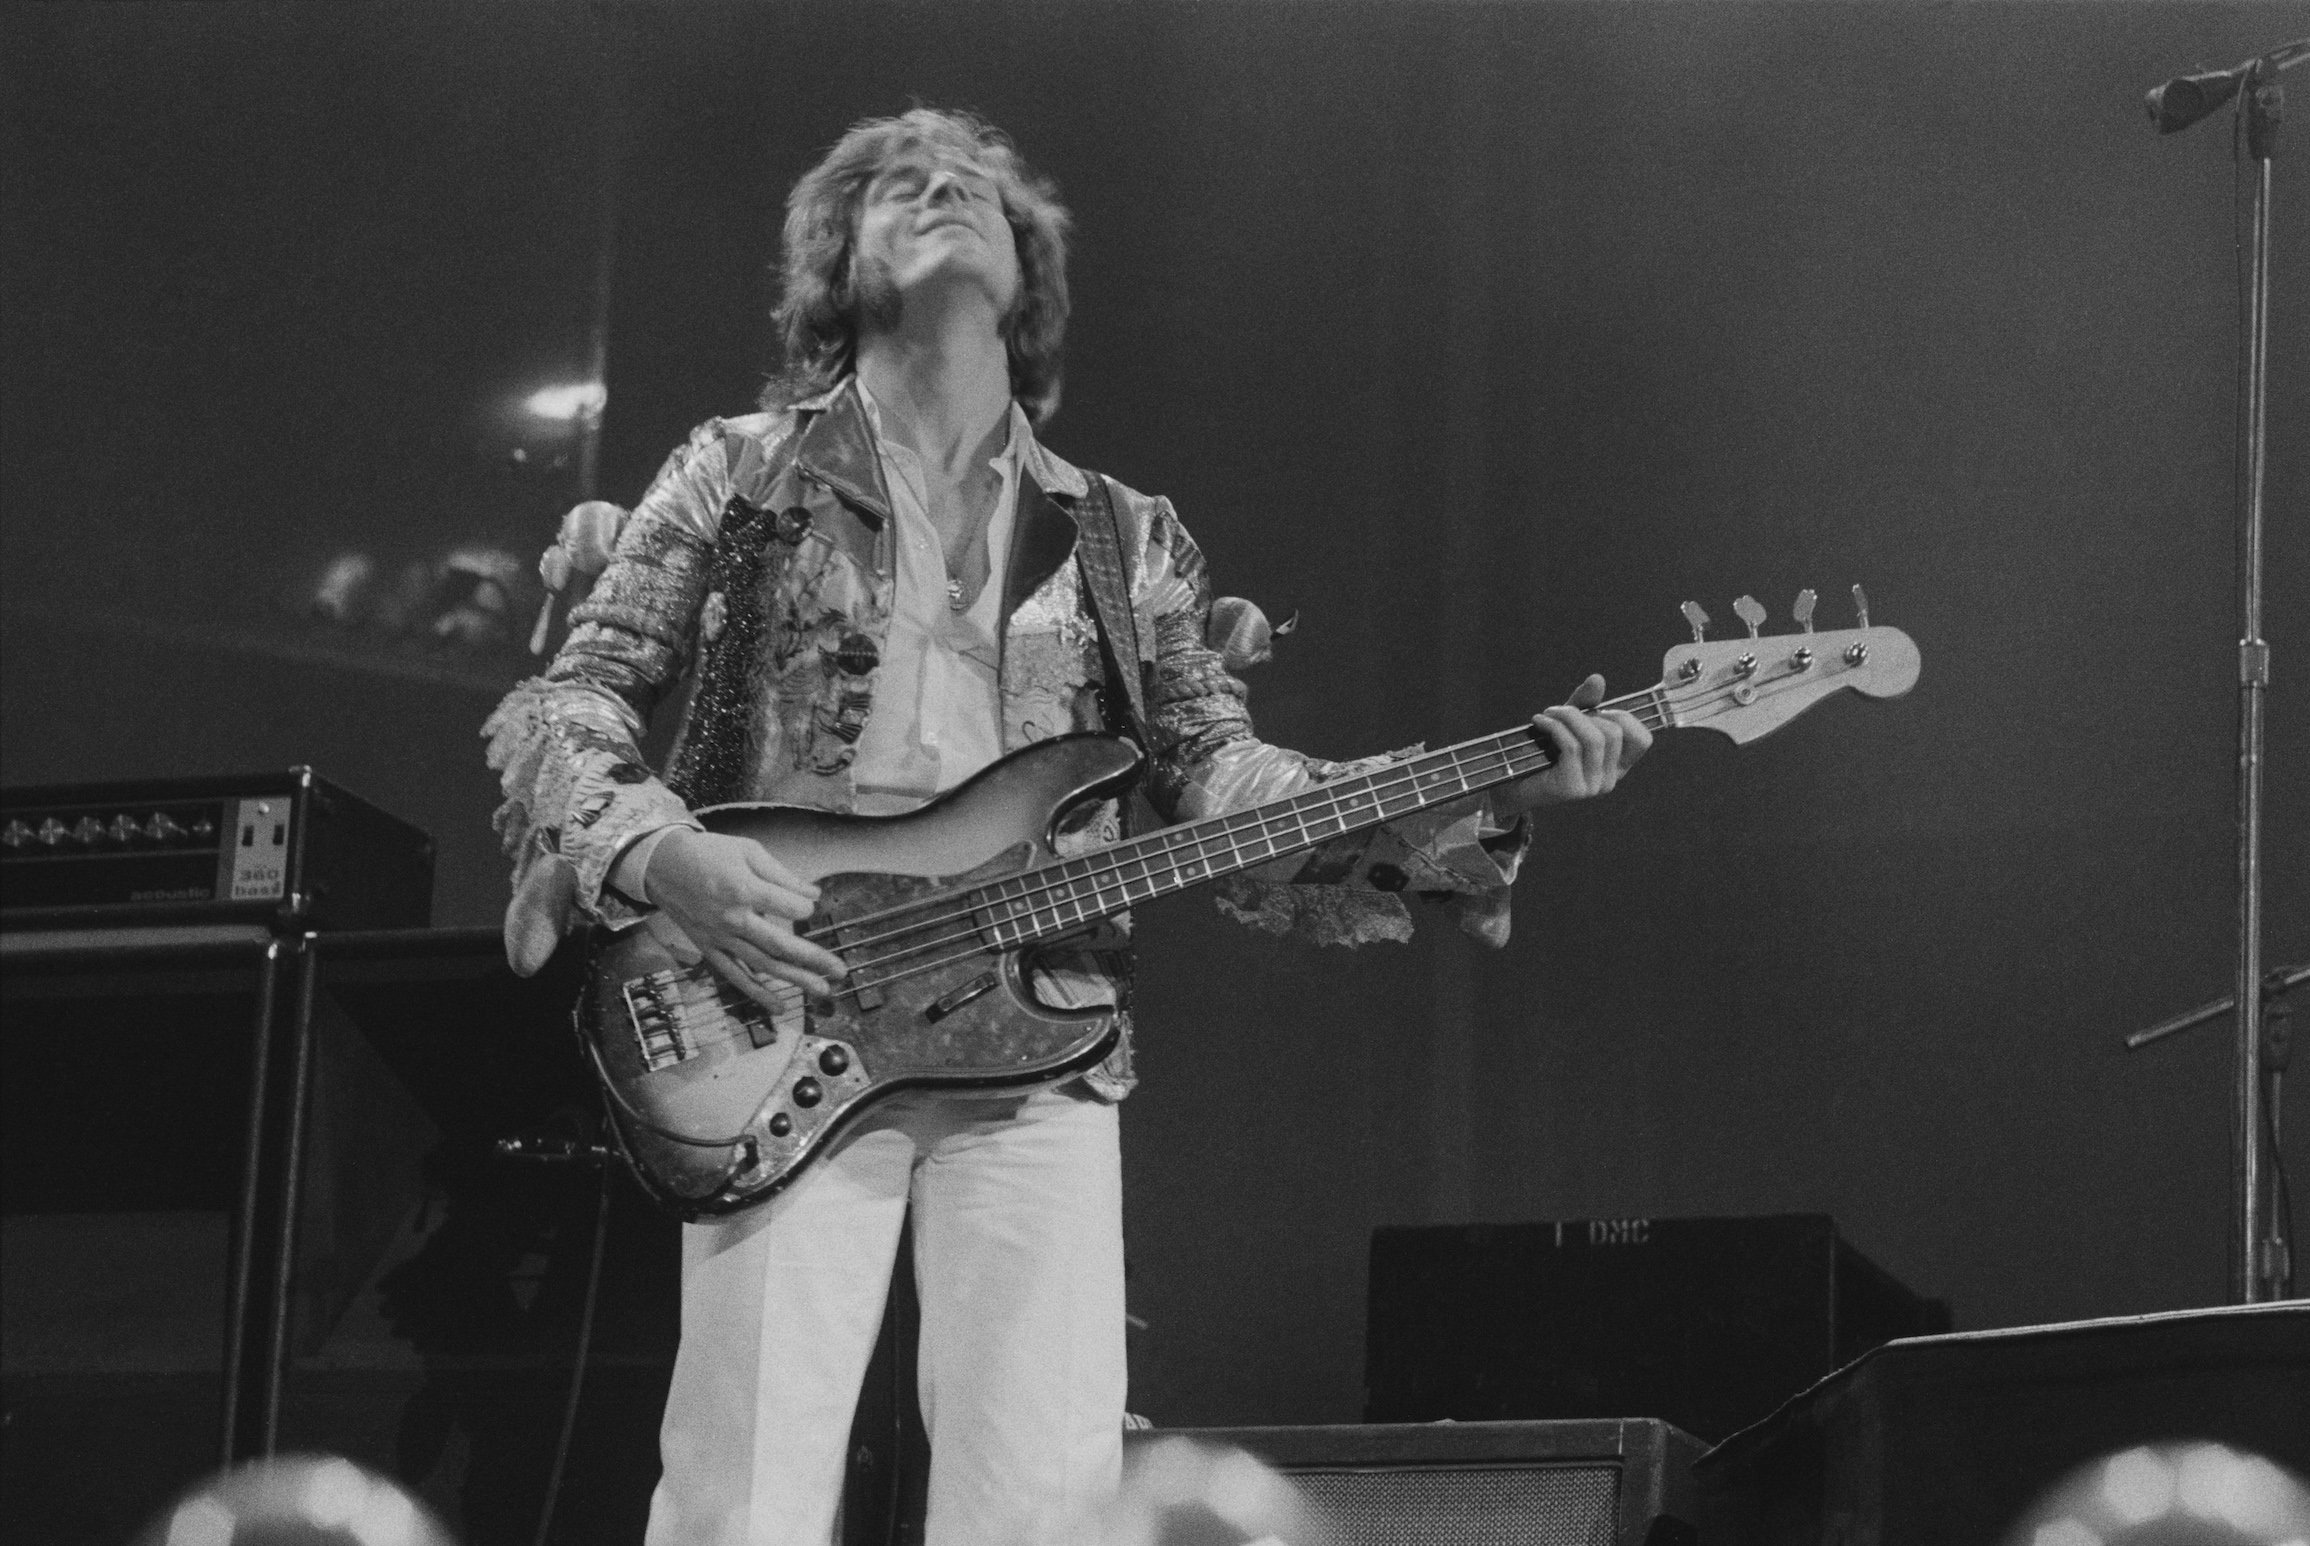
978	986
866	995
677	1014
761	1029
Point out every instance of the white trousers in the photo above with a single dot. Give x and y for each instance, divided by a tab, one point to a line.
1018	1250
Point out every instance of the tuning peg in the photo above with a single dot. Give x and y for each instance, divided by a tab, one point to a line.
1861	604
1699	620
1750	611
1803	610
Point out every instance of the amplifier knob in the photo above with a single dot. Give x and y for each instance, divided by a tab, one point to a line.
162	827
807	1093
52	833
124	830
89	832
203	829
834	1060
15	835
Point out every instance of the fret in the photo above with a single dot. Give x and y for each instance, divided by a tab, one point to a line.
1065	895
1140	887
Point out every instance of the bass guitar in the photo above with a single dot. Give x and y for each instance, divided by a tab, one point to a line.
719	1102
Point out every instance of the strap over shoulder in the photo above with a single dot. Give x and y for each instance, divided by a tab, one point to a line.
1107	579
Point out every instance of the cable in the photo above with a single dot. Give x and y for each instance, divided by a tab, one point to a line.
2284	1219
577	1376
2277	1042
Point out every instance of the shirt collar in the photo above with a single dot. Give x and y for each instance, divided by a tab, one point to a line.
1006	461
1024	451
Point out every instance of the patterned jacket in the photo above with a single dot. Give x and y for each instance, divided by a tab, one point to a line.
759	566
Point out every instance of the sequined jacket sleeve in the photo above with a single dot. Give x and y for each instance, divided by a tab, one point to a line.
565	744
1208	761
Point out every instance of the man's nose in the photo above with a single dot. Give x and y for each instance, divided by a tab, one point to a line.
943	188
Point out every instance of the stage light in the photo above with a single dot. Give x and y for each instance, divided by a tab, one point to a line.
201	1522
472	597
2246	1492
1178	1492
346	590
2137	1485
2178	1494
296	1500
569	402
2065	1532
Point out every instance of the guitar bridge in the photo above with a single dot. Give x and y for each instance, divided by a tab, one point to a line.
654	1004
680	1013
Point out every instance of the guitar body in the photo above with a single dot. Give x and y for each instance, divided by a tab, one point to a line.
718	1103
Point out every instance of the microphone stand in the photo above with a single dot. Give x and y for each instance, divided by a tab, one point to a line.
2257	1269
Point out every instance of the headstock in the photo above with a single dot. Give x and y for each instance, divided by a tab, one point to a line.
1746	688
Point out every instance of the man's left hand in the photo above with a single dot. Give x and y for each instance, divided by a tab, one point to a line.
1592	751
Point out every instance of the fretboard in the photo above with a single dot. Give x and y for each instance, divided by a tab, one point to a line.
1061	898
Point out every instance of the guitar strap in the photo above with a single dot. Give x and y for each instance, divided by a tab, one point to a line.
1106	579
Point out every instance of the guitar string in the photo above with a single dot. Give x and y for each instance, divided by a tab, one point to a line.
861	983
1161	850
1106	865
1096	879
1158	855
1169	841
1157	863
1159	859
1105	868
1230	834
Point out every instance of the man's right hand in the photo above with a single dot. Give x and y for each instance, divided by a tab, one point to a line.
739	905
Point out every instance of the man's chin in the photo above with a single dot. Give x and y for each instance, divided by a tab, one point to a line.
942	282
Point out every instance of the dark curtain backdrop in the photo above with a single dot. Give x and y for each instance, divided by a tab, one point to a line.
1482	335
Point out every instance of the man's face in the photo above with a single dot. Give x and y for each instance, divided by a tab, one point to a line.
932	219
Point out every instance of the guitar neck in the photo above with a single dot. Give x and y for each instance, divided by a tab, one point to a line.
1061	898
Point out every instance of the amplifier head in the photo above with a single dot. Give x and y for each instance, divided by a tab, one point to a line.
285	849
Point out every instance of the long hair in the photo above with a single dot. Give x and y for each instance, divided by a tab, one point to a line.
819	303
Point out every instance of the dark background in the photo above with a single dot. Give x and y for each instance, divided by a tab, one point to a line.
1483	336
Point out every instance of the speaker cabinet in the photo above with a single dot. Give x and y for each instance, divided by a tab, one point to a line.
1605	1482
425	1294
1707	1323
1939	1439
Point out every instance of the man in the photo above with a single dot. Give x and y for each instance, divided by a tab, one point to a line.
881	584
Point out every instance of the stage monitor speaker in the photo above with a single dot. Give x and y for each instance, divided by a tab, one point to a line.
1940	1439
1706	1323
1606	1482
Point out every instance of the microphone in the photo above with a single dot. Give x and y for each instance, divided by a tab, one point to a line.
2185	99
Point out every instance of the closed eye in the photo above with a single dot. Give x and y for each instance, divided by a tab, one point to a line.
908	182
